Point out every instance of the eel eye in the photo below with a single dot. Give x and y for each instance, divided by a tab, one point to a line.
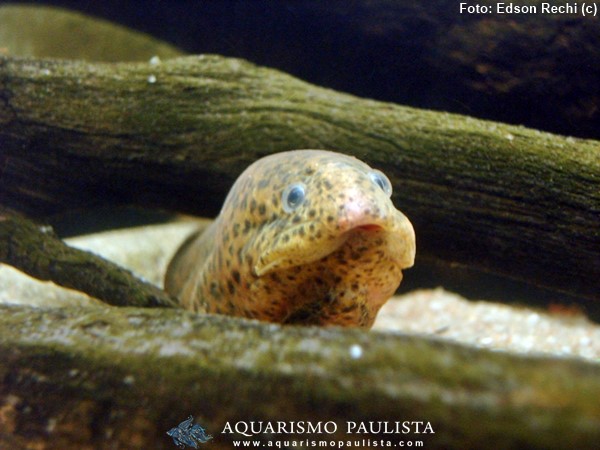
293	196
382	181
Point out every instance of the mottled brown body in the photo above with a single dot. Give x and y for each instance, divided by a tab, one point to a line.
331	256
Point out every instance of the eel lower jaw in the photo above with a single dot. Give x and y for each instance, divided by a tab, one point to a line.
286	257
390	229
397	230
400	248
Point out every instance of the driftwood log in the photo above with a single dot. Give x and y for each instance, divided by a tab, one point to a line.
39	252
175	135
94	378
540	70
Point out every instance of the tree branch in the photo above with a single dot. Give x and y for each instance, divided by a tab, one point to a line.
129	376
38	252
500	198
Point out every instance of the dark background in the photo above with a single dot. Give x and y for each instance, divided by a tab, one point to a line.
537	70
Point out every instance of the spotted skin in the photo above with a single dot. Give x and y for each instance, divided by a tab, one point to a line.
333	260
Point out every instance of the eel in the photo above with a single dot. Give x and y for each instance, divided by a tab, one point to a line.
304	237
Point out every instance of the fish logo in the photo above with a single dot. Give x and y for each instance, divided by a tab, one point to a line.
189	434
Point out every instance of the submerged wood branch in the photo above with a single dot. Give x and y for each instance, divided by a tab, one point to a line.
129	376
38	252
175	135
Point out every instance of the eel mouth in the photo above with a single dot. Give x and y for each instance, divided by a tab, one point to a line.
398	238
369	227
398	241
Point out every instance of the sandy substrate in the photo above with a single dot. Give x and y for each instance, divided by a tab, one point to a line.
490	325
147	250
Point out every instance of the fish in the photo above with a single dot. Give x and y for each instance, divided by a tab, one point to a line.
305	237
189	434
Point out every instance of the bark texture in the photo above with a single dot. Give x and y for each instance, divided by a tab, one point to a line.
37	251
175	135
122	377
540	70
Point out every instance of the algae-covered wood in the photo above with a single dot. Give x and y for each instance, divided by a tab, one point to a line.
176	134
88	378
536	69
37	251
